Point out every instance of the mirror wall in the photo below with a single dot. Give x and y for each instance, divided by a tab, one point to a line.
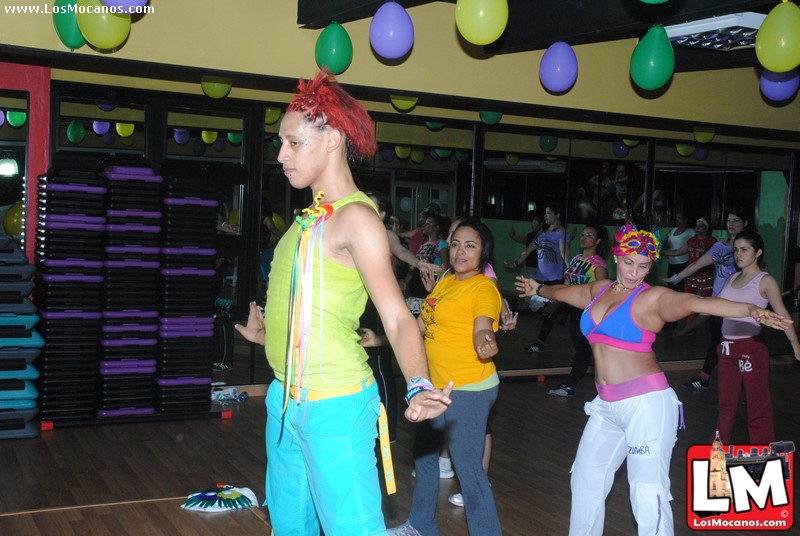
506	175
13	162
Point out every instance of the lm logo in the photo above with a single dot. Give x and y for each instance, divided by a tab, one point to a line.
746	487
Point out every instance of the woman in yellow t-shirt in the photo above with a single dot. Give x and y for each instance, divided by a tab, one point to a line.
458	319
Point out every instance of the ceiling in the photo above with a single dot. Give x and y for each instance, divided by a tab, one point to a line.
536	24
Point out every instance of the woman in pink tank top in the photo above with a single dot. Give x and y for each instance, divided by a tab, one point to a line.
635	417
743	354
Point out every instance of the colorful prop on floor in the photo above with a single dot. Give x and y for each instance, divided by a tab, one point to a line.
220	499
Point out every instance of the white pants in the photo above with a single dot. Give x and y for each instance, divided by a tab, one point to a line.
641	429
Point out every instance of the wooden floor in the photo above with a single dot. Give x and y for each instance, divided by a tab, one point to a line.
130	478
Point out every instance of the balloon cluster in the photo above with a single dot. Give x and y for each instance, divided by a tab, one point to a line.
104	24
391	32
778	51
418	154
76	132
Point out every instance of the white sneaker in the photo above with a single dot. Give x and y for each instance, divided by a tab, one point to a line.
445	469
456	499
403	530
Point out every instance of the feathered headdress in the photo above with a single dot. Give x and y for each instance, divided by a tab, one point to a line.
323	101
632	241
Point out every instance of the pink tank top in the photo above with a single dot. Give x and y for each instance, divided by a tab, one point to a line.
741	328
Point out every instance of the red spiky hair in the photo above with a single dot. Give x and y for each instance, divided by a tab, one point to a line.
322	100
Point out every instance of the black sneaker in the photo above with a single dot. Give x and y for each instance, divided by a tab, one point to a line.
536	347
562	390
697	383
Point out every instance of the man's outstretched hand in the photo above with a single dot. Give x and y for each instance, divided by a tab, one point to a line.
429	404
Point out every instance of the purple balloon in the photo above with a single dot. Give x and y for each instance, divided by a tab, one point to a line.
109	137
391	32
128	7
100	127
779	86
620	150
558	70
181	136
219	144
387	153
700	153
105	105
2	117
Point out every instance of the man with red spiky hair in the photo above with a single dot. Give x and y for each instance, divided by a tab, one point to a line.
323	406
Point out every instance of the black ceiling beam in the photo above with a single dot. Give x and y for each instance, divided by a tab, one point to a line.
537	25
314	14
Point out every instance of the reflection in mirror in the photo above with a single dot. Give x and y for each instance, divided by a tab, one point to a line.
100	126
601	184
13	162
207	136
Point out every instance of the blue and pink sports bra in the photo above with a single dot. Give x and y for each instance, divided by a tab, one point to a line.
617	328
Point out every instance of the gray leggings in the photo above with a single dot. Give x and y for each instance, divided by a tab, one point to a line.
463	426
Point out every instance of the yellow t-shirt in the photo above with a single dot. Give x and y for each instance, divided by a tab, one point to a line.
449	313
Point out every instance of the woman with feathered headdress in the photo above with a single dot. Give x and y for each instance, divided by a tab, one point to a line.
636	414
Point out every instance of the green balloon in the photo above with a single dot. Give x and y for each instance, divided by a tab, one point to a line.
334	49
434	125
235	137
462	155
66	24
76	131
16	118
490	118
653	59
548	143
443	153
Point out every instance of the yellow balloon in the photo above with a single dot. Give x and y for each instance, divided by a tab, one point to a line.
12	221
105	31
402	151
481	21
703	134
402	102
417	155
684	149
124	129
215	86
630	143
778	38
272	115
209	136
512	159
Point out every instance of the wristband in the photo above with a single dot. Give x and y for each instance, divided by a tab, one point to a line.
417	385
676	278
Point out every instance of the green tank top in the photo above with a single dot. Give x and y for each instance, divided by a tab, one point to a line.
335	359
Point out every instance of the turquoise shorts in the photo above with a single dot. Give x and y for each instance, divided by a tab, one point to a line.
321	465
